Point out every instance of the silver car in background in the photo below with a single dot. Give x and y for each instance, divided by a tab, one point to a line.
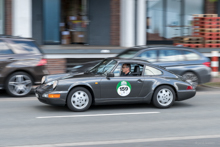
187	62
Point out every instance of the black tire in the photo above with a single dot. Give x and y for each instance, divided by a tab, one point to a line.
11	89
192	77
156	95
73	93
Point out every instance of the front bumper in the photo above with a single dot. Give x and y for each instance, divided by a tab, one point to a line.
39	92
185	94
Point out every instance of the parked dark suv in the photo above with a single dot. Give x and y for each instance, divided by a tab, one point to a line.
22	65
187	62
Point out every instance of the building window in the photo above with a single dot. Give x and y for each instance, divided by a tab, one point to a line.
167	19
2	16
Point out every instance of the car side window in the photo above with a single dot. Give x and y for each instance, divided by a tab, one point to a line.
149	71
170	55
132	68
4	49
150	55
25	47
191	56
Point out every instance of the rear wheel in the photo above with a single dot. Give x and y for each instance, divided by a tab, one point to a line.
164	97
19	84
79	99
192	78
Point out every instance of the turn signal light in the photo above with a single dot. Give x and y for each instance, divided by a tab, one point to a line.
42	62
53	95
207	64
189	88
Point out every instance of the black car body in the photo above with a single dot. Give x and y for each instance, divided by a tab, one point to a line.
22	65
186	62
104	84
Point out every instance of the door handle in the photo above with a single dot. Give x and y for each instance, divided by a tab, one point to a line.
10	58
139	81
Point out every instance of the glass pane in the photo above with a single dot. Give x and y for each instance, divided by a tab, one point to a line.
117	71
170	55
25	47
152	71
128	54
51	21
150	56
191	56
103	67
2	16
191	7
4	49
155	20
173	19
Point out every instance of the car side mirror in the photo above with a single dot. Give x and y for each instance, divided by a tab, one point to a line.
110	75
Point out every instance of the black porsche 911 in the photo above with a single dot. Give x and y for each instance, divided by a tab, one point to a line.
115	80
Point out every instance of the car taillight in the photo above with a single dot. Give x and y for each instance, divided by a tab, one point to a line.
189	88
42	62
207	64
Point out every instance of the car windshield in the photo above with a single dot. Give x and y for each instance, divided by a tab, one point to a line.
103	67
128	54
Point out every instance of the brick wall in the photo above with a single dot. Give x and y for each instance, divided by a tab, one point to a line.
210	7
56	66
8	17
115	22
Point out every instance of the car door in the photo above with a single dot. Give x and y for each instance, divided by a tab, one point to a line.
121	87
6	57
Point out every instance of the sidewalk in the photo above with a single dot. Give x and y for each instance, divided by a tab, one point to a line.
81	49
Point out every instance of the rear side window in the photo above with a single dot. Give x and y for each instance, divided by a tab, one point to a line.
150	55
4	49
25	47
191	55
149	71
170	55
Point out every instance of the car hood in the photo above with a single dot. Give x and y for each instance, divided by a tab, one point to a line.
50	78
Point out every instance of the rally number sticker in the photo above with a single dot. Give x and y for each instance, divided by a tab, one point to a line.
123	88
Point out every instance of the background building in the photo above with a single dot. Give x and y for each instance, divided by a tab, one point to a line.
101	22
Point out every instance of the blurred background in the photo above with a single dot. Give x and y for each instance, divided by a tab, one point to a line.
75	31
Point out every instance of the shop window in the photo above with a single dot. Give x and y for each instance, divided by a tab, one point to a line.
154	20
167	19
73	24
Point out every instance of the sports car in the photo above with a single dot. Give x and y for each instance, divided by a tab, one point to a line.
113	81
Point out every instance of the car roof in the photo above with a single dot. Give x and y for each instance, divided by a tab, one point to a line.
159	47
129	60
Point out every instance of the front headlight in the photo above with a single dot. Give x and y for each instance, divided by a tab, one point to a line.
43	79
55	84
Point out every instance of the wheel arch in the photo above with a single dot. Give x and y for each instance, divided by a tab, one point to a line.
173	87
84	86
199	78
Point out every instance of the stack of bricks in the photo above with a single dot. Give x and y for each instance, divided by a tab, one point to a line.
208	27
192	42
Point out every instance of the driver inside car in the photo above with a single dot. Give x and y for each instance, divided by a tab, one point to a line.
126	70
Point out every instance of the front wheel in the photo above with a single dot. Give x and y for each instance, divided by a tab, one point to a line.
79	99
164	97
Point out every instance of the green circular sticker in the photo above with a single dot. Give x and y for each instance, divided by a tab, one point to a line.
123	88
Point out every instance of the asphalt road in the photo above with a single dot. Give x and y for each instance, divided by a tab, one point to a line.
194	122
